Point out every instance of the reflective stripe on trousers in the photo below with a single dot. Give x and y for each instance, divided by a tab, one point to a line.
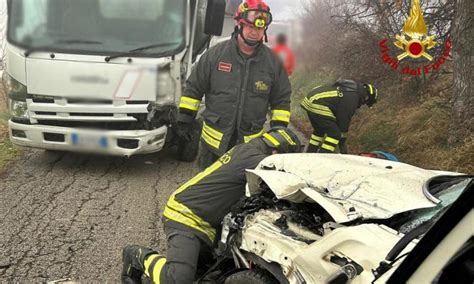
182	214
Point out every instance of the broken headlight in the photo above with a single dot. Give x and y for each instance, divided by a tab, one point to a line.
19	109
165	87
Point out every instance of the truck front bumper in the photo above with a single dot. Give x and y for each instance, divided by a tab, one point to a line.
109	142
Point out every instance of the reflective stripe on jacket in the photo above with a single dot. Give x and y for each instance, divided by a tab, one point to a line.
335	101
238	93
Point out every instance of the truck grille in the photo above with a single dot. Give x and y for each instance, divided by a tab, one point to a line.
48	109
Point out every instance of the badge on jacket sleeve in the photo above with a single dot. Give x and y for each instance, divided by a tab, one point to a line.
224	67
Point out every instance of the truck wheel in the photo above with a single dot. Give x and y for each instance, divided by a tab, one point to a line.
250	277
188	150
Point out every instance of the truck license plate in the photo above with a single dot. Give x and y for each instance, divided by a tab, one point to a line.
89	140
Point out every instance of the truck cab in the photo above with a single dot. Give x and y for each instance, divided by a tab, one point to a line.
99	75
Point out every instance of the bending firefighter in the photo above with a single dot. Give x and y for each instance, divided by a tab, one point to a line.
330	109
195	211
240	79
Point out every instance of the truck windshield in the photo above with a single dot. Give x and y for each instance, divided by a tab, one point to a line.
101	27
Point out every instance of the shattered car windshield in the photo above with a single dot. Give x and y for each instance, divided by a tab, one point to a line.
446	193
98	26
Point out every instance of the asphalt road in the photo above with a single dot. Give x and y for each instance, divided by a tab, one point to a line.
66	215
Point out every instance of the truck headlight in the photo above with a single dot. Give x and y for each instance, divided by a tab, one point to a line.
14	89
16	93
19	109
165	88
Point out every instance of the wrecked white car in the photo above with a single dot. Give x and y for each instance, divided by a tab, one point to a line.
317	218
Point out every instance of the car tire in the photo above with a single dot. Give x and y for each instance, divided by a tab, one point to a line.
188	150
254	276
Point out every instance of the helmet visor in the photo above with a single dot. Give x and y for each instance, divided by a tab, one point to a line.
259	19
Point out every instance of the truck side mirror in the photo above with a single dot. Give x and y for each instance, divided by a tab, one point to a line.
214	17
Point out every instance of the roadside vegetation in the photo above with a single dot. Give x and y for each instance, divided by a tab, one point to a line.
413	126
426	120
7	150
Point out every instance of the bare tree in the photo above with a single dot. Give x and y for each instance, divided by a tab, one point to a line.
342	37
462	121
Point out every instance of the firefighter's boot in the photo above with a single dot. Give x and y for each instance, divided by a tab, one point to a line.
133	258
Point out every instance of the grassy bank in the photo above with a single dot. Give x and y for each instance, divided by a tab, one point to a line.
413	126
7	150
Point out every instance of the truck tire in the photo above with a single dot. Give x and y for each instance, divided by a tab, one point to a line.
188	150
254	276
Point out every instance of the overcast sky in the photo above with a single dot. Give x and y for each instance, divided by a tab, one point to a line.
284	9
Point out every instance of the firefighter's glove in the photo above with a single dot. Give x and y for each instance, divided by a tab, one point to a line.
183	131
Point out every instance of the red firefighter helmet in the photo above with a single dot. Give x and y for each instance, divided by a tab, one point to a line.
255	13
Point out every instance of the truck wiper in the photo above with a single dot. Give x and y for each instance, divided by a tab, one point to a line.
46	47
137	50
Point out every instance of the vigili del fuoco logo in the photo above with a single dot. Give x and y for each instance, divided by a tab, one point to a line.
414	42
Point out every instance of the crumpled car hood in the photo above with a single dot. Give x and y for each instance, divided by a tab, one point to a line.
346	186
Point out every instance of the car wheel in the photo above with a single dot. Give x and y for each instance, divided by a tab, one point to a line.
254	276
188	150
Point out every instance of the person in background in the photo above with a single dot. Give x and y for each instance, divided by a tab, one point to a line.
285	53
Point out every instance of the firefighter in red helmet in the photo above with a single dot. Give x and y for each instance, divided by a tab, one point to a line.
253	13
241	79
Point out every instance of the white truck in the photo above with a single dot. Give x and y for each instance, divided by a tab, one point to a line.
103	76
